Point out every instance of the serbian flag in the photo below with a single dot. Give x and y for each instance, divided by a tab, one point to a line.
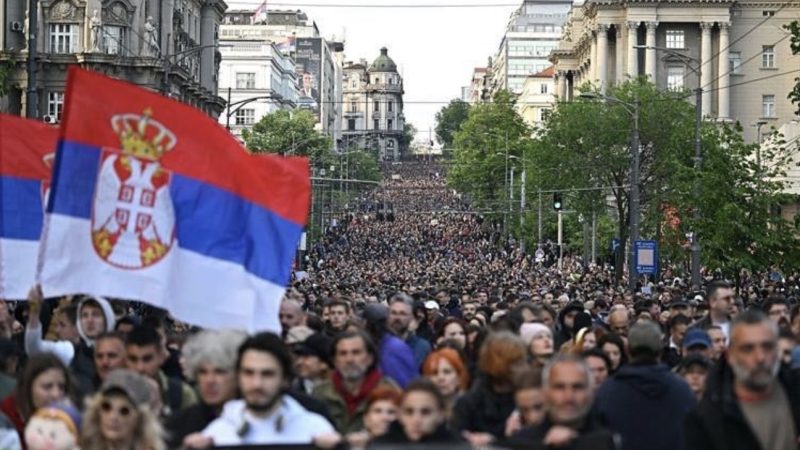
152	200
27	149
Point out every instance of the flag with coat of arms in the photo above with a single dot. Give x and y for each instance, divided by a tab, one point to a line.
152	200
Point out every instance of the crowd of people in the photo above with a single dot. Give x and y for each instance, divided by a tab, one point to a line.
423	326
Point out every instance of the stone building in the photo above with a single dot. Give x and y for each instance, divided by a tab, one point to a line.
164	45
373	117
742	52
537	97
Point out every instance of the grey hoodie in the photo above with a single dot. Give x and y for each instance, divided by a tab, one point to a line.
108	312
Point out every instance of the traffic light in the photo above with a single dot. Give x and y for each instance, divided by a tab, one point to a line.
558	205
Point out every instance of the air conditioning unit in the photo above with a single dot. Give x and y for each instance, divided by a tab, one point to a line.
16	26
50	119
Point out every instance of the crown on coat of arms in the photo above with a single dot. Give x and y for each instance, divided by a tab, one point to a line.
142	136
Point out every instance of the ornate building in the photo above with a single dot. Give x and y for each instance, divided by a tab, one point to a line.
745	59
164	45
373	107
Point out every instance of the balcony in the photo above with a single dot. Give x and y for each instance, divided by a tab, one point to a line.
384	87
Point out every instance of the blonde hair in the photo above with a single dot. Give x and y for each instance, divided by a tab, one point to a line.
148	434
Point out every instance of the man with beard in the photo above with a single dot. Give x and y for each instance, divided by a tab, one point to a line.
470	307
778	310
265	415
401	314
356	374
568	397
750	402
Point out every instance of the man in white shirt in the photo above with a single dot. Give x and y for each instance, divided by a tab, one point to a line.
265	415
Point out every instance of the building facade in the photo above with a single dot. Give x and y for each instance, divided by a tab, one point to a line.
741	50
256	77
537	97
373	117
480	87
533	31
164	45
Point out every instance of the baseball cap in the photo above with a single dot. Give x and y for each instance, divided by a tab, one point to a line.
130	383
695	337
430	304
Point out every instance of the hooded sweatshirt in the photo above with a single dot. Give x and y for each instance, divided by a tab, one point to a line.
646	405
66	350
290	424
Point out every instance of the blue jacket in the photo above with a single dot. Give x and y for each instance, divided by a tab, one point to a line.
396	361
646	405
421	348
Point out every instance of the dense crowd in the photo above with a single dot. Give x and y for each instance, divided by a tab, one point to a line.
415	322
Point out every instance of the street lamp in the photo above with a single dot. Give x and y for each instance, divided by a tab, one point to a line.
698	155
633	110
181	55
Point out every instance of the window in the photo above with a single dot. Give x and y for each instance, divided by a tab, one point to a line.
544	114
377	80
543	88
245	80
63	37
353	107
353	83
351	125
735	59
376	124
245	116
768	57
767	106
55	104
767	13
376	106
675	39
675	77
389	124
390	106
113	39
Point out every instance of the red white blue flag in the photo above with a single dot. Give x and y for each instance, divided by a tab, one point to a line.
27	149
152	200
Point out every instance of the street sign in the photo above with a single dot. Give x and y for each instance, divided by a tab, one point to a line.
646	257
614	245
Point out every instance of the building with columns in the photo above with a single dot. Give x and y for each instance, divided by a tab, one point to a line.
163	45
746	62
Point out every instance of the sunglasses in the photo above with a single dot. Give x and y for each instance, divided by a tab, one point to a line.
123	411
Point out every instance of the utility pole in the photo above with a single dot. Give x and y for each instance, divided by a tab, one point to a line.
698	163
31	97
560	240
634	204
522	209
539	218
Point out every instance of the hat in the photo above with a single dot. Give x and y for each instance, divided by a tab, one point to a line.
64	412
430	304
317	344
298	334
130	383
696	336
695	360
528	330
375	312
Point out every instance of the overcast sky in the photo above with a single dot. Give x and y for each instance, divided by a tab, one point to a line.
435	48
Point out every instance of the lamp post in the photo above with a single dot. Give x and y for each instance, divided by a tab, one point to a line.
180	57
633	110
696	249
230	112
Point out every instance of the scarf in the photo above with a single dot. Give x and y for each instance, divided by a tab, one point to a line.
353	400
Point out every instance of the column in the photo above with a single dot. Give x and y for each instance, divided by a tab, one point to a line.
207	64
650	52
601	71
633	52
562	86
620	50
593	57
723	111
706	67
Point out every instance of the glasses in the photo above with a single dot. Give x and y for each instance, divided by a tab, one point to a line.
123	411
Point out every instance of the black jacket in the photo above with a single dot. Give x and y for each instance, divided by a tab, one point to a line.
483	410
191	420
717	423
591	436
396	436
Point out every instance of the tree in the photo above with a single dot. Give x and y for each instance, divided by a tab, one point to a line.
409	131
289	133
449	120
485	146
794	29
362	166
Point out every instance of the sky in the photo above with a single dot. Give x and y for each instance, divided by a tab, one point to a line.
435	49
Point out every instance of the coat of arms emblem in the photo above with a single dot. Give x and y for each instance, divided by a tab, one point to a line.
133	220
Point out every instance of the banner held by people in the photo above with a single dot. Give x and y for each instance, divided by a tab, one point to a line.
27	149
152	200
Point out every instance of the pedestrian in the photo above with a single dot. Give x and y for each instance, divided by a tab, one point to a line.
445	368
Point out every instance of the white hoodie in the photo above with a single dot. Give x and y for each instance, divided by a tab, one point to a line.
290	424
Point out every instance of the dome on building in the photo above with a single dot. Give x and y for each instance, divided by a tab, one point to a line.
383	63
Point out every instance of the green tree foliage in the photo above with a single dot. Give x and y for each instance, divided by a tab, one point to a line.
491	139
794	29
289	133
449	120
361	165
409	131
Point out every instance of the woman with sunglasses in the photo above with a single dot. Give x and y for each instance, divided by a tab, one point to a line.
422	418
119	417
